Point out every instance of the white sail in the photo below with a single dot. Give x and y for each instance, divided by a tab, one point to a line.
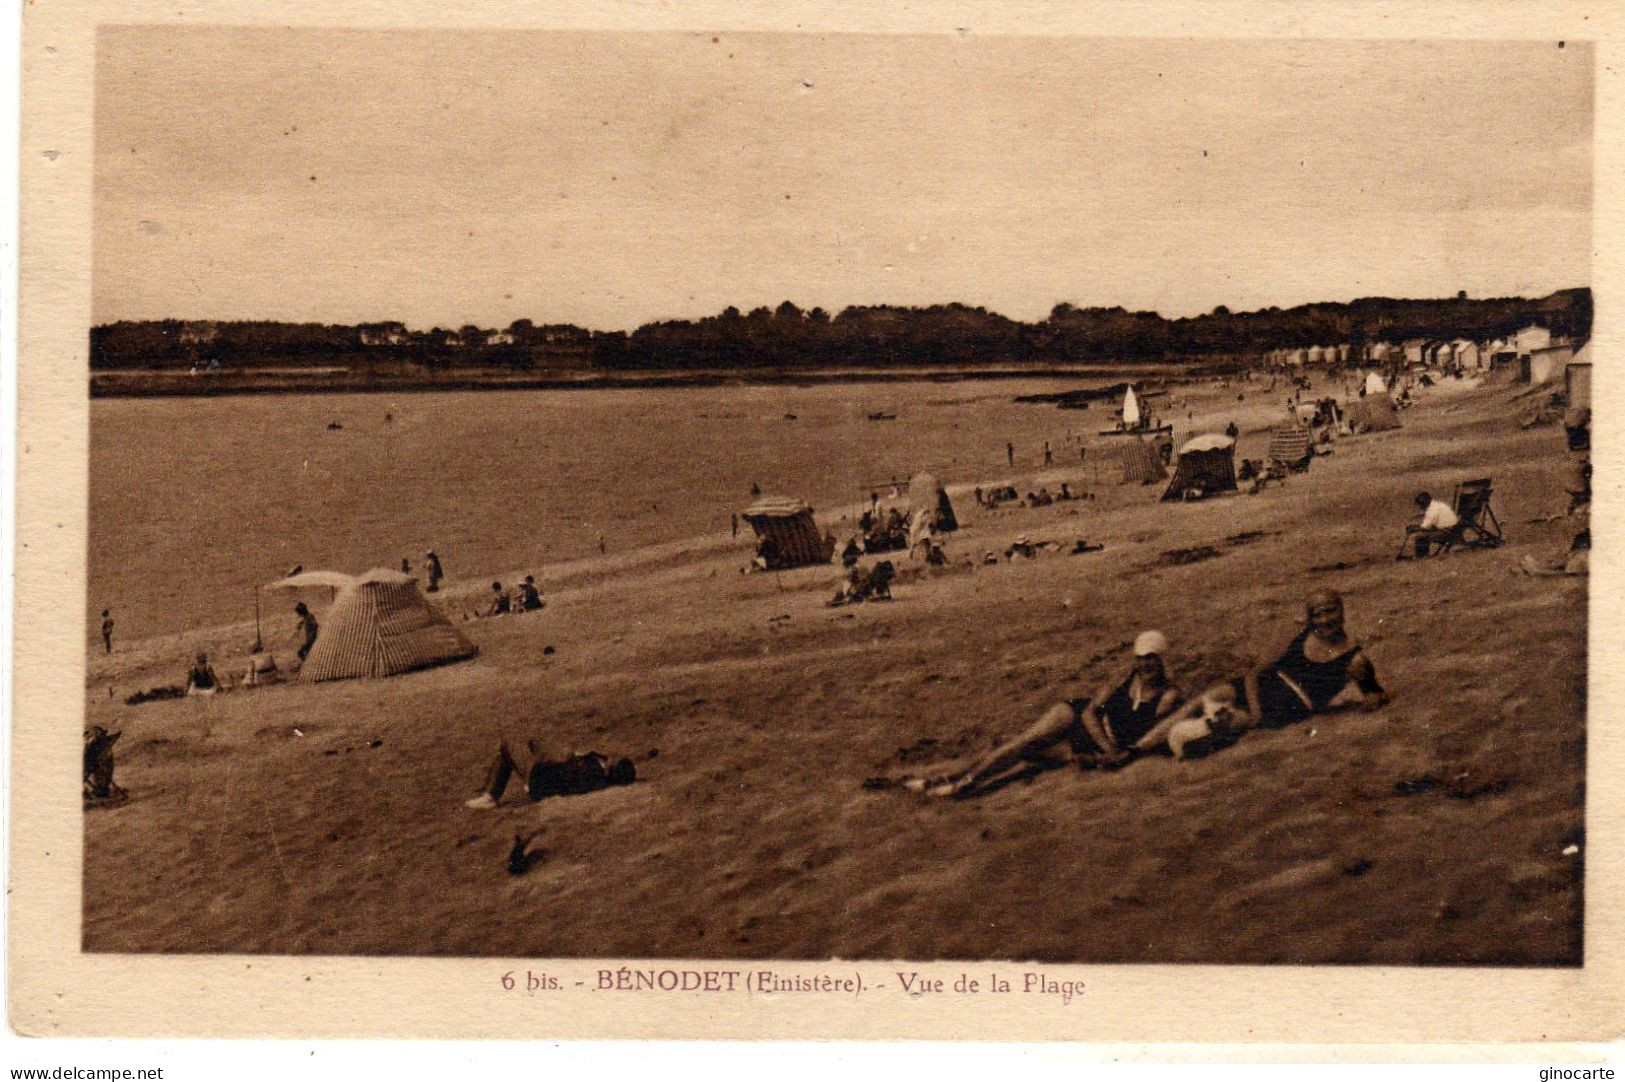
1131	409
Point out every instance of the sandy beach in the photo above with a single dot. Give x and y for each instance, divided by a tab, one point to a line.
329	818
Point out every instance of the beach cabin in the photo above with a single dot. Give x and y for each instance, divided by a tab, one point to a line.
1577	378
1412	349
1531	338
1467	354
1545	365
1378	351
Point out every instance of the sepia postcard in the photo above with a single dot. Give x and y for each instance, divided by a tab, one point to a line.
955	521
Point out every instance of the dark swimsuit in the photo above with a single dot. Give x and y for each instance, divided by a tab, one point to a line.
1126	721
1321	681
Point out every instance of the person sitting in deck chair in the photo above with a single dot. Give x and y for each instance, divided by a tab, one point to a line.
1097	730
1302	679
1438	520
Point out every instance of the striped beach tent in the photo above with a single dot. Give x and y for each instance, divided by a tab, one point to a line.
1207	465
1142	464
1291	445
380	625
787	532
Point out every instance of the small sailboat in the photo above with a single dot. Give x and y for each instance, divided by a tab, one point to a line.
1133	421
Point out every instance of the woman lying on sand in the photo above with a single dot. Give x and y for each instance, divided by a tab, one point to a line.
1314	669
1095	731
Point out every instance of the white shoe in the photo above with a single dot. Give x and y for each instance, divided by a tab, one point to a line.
483	802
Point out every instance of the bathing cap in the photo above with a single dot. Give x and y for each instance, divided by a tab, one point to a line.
1150	642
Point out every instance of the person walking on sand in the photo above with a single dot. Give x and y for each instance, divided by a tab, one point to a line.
406	566
1049	456
436	572
735	525
1303	678
107	631
601	547
1010	453
308	627
1097	730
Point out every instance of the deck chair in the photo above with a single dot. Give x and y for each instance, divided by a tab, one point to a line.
1476	525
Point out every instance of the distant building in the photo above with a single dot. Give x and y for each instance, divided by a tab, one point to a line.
1577	377
1545	365
199	334
1531	338
383	334
499	338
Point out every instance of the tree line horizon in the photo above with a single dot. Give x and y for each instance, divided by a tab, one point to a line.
858	335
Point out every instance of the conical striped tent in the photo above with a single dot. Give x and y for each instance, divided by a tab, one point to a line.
380	625
788	524
1373	413
1142	464
1207	464
1290	445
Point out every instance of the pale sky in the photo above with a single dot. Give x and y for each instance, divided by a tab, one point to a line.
608	178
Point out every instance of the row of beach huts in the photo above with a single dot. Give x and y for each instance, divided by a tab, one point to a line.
1531	355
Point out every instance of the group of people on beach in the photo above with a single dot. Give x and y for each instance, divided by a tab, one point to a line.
527	598
1144	711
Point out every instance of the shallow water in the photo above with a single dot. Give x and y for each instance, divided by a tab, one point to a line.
194	501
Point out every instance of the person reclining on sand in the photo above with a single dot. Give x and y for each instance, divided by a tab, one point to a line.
1096	730
501	603
1304	678
1575	561
582	772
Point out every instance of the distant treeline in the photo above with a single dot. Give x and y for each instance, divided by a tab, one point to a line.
877	336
